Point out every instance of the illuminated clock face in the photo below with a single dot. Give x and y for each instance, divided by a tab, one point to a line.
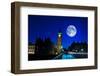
59	35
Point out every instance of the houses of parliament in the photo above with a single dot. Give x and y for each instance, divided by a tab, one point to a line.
56	48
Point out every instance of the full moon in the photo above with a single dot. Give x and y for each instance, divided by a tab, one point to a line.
71	30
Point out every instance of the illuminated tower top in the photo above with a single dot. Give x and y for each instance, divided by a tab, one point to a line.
59	34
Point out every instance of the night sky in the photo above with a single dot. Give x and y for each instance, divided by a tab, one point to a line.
49	26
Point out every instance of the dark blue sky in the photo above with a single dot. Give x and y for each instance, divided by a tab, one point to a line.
49	26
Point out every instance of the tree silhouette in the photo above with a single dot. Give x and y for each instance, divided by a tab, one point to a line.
43	47
48	44
39	46
78	46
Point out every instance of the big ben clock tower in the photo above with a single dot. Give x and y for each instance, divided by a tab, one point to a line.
59	42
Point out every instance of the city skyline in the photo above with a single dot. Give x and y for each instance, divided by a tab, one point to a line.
49	26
